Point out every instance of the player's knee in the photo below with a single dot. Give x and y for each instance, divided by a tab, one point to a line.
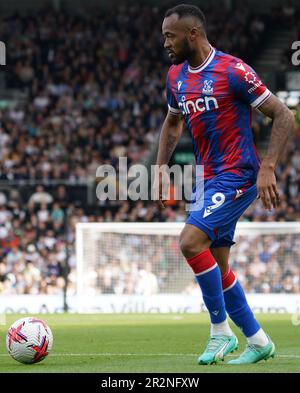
185	246
191	246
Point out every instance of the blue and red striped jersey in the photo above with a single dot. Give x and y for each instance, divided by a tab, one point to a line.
216	101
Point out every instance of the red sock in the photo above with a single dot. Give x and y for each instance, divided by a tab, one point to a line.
228	279
202	263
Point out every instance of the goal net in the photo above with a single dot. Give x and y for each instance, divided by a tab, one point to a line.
144	259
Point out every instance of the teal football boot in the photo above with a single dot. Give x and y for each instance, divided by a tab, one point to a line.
217	348
254	354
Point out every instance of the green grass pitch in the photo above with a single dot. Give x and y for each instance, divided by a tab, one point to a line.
135	343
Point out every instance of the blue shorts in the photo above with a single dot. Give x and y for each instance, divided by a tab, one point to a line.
225	199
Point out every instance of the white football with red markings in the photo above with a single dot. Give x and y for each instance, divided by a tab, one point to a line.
29	340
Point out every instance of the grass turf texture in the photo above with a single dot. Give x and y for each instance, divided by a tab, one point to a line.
133	343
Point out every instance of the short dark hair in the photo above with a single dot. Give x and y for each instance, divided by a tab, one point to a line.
183	10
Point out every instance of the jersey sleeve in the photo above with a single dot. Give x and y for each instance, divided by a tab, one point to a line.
171	99
247	85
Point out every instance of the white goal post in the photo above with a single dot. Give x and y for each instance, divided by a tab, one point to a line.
120	265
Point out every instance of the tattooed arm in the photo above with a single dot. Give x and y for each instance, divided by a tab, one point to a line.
282	129
169	137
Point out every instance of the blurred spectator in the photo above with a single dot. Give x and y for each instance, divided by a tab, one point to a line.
41	196
3	198
288	10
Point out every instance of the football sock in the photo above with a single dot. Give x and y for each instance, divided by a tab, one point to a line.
208	276
221	329
260	338
237	306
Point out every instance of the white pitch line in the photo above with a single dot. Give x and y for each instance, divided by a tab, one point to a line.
143	354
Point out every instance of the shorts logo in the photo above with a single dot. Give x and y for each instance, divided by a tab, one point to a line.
179	85
207	211
239	193
218	199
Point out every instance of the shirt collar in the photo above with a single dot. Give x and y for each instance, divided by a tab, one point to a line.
205	63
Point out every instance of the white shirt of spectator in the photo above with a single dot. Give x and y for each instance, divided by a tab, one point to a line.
5	216
3	232
43	215
3	198
41	197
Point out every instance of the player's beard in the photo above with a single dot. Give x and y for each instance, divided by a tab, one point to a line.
184	54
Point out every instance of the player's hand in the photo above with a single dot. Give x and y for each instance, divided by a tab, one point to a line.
266	187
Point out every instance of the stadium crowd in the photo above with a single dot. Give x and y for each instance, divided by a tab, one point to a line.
85	107
263	264
291	22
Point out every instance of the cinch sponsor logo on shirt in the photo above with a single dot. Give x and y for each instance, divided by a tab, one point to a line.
199	105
